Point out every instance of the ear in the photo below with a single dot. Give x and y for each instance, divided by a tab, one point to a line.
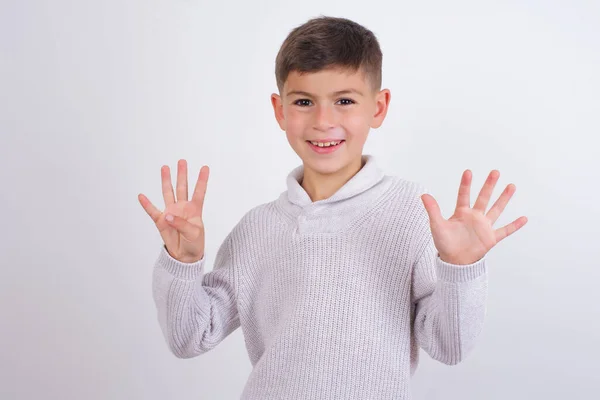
382	103
278	110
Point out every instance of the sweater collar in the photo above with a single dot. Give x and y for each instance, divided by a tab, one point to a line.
368	176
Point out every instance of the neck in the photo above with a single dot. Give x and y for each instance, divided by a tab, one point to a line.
320	186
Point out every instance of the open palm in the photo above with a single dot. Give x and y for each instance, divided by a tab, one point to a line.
469	234
184	235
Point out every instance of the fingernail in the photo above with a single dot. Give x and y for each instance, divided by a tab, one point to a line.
169	218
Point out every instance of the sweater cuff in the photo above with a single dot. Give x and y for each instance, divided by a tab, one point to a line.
188	271
460	273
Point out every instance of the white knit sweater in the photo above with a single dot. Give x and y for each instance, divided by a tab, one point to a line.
334	297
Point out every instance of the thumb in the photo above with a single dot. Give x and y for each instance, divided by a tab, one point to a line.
188	231
432	208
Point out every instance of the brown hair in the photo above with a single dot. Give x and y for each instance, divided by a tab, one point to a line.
329	42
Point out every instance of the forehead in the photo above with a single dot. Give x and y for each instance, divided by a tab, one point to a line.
325	81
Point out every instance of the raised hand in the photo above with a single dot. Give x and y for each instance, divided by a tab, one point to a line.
468	234
183	235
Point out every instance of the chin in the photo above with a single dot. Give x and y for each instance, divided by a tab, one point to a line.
326	166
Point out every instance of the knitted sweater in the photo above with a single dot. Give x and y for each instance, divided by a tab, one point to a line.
335	297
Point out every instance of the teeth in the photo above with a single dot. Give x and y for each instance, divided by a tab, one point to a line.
325	144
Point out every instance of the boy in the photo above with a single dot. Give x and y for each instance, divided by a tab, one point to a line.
338	282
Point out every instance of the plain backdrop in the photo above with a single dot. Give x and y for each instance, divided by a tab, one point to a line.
95	96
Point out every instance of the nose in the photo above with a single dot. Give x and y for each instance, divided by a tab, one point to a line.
325	117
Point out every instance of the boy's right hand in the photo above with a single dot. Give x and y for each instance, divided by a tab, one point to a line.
184	235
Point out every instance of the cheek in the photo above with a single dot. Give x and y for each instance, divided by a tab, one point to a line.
356	124
294	130
296	123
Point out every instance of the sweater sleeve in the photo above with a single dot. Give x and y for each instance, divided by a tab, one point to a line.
449	305
196	311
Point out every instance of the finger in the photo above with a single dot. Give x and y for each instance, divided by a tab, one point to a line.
188	231
486	191
501	203
432	208
182	183
152	211
200	189
464	190
167	187
505	231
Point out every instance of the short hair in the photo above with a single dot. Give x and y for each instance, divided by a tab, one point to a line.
330	42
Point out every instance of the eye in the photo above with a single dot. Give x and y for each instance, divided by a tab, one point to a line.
297	101
350	101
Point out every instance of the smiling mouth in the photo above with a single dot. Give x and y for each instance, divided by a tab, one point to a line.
326	147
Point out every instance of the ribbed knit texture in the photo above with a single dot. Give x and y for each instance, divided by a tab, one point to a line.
334	297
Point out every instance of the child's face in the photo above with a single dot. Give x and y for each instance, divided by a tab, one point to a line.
320	113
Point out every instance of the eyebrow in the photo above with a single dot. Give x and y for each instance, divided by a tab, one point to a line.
339	92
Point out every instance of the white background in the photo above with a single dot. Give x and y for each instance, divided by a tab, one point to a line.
96	96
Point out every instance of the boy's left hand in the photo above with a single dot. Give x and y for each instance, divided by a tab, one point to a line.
468	235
